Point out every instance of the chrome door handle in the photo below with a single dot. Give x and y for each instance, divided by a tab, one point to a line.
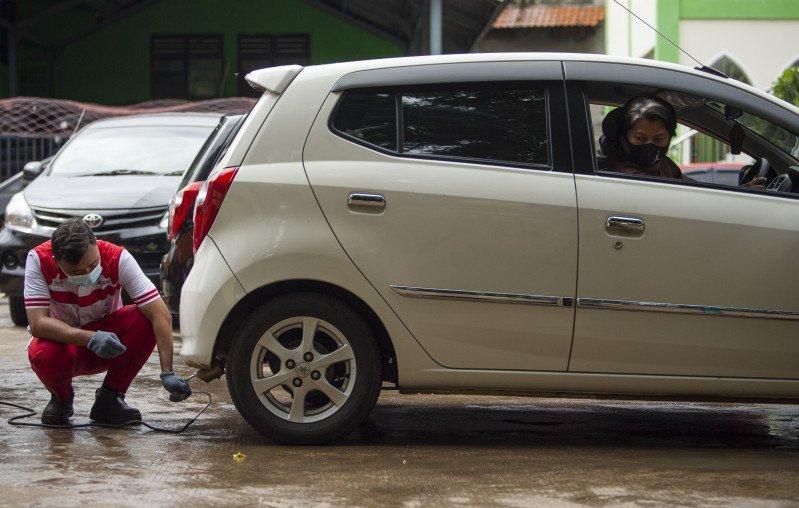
625	225
365	199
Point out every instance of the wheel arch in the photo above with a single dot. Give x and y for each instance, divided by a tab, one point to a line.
237	315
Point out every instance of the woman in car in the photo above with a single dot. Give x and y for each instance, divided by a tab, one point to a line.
635	140
636	137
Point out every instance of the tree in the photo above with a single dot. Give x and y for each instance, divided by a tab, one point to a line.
787	86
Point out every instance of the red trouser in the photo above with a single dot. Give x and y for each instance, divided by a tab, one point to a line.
57	363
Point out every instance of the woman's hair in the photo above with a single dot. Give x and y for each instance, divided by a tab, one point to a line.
651	108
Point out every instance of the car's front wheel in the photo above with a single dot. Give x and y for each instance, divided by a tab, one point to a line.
305	369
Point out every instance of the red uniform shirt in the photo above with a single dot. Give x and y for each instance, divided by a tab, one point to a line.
46	285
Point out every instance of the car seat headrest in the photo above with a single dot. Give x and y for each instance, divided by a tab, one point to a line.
610	125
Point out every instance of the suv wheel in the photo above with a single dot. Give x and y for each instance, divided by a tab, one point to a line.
16	307
305	369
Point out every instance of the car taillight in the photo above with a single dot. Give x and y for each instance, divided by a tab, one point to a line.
209	200
179	208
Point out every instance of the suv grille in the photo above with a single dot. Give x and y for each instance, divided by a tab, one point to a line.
113	220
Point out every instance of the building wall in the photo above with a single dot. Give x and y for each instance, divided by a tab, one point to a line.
762	48
112	65
762	36
626	35
543	39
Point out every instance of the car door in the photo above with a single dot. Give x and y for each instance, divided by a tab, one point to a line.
456	201
683	279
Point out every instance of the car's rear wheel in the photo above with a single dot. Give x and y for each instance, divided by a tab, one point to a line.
16	308
305	369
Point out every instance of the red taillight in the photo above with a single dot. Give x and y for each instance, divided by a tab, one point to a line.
208	201
179	208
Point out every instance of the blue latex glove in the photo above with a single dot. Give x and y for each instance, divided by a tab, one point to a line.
178	388
106	345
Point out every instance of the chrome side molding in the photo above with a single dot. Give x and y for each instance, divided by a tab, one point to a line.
680	308
592	303
484	296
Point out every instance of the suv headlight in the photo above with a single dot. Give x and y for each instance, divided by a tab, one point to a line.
19	215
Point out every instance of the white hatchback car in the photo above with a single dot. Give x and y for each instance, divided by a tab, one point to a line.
444	224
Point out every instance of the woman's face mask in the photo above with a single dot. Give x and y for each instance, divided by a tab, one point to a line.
646	155
647	142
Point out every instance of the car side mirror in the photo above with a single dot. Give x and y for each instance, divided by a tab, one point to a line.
32	169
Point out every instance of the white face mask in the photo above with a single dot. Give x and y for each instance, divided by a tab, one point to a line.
86	279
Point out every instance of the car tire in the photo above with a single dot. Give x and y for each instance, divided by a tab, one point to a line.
16	307
274	412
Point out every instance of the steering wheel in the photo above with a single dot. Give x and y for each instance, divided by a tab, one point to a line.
758	169
781	183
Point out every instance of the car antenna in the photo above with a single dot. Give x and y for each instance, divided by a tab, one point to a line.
702	67
77	125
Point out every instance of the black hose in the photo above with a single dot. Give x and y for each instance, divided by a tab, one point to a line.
14	420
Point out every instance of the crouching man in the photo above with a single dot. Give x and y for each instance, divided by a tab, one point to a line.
73	300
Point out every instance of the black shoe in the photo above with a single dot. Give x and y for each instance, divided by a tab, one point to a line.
110	407
57	412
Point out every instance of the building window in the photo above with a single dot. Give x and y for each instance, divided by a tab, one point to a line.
259	51
731	68
186	66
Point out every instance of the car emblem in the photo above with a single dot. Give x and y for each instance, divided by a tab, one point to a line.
93	220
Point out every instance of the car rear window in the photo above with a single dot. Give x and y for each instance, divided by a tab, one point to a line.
500	123
495	124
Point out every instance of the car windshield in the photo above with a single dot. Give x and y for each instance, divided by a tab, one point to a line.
151	150
785	140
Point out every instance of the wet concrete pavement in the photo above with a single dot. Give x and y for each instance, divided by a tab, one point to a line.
414	450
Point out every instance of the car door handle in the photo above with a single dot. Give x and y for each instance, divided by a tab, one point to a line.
375	201
625	225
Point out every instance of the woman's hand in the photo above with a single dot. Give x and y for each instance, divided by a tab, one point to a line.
755	183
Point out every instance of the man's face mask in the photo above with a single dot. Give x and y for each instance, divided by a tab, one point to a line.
86	279
645	155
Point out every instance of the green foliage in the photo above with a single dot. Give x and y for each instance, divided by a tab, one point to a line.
787	86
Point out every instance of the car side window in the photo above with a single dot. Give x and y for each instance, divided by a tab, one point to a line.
504	124
713	143
369	117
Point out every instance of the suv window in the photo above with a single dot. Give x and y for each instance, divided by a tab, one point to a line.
496	124
368	117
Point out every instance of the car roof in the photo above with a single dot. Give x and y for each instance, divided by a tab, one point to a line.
209	120
343	68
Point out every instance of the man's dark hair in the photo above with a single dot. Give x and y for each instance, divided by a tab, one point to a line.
651	108
71	240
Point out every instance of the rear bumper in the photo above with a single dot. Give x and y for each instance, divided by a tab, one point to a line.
175	267
209	293
146	244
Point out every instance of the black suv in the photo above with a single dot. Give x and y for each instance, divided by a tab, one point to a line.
177	263
118	175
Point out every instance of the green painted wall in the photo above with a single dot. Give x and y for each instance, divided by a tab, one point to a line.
112	66
668	23
738	9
